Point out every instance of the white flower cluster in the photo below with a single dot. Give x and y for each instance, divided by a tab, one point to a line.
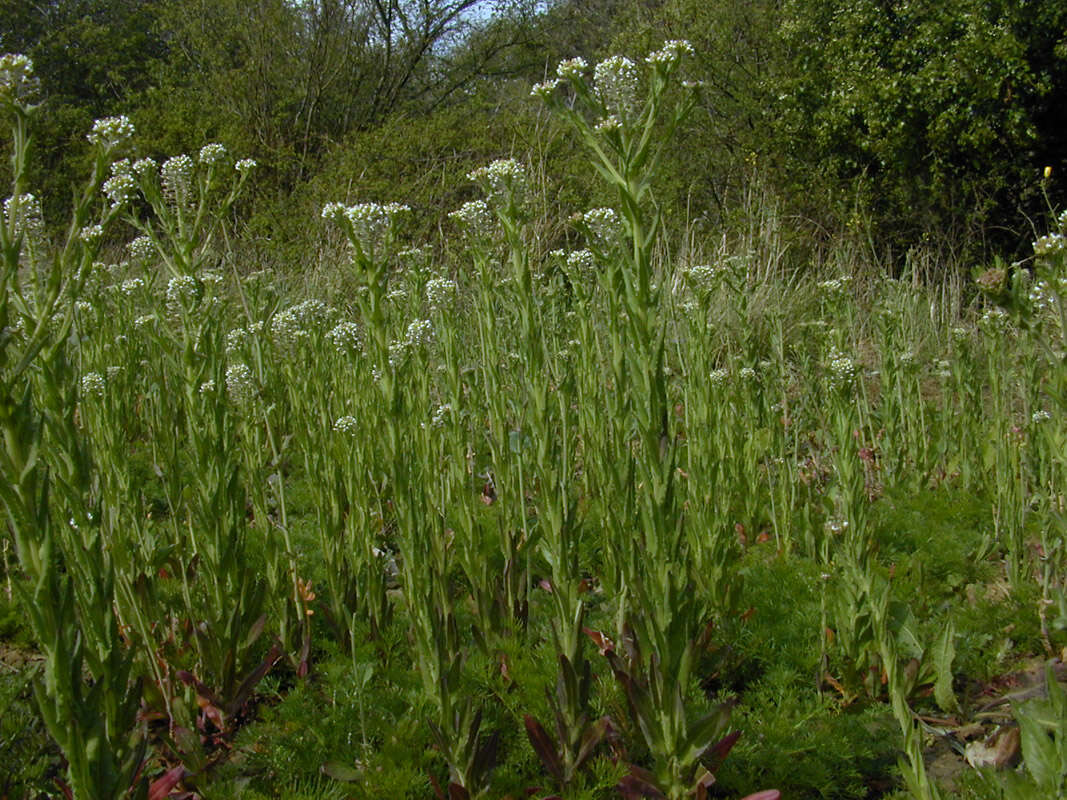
17	81
296	323
211	154
141	249
572	68
346	338
581	261
943	369
609	123
441	415
475	217
615	82
240	383
836	288
371	222
502	180
131	286
346	424
91	234
119	188
182	292
144	321
747	374
704	277
994	322
27	215
1050	245
670	54
439	292
418	335
176	177
245	165
92	384
718	376
1040	416
842	370
110	132
603	226
1041	296
960	335
545	89
145	168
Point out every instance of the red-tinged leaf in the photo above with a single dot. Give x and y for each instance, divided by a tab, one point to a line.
67	793
545	584
544	747
767	794
592	737
585	585
161	786
704	782
340	771
602	642
457	792
189	679
244	691
748	614
639	783
722	748
437	789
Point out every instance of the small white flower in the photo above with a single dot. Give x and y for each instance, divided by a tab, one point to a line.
110	132
503	180
439	292
207	387
671	52
92	384
346	338
994	322
176	177
245	165
842	370
346	424
144	320
1040	416
27	213
1050	245
546	89
212	154
609	123
581	261
718	376
91	234
615	81
17	81
118	189
476	217
441	415
603	226
182	291
572	68
240	384
144	167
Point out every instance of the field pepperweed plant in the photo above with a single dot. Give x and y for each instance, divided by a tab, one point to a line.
613	520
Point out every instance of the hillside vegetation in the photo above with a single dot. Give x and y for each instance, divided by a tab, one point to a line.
593	400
